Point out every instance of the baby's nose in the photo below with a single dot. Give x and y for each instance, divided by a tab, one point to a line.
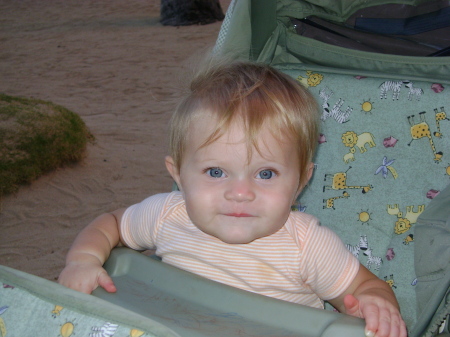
240	190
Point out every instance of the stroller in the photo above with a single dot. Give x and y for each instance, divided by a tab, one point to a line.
380	72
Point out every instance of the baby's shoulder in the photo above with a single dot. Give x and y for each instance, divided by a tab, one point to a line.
159	203
168	199
303	225
173	204
174	198
302	219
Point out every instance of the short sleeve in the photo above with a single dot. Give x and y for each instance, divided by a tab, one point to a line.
139	222
328	267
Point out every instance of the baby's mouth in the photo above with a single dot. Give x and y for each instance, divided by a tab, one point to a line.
239	215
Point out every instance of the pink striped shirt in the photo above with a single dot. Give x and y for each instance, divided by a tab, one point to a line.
303	262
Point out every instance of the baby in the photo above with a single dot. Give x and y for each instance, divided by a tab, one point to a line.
241	145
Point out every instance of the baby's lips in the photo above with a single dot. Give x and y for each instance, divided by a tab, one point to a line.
239	215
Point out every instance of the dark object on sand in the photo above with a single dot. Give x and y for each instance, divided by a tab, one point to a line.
190	12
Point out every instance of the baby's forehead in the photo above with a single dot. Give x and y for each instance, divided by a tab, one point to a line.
208	132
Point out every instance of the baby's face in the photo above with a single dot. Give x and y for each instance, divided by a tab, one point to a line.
230	198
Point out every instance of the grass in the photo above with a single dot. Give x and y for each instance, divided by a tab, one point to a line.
36	137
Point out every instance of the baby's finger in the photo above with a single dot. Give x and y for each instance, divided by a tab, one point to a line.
371	314
398	326
351	304
385	326
403	330
105	281
80	286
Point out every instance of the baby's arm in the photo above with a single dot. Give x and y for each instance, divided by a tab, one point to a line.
84	262
370	298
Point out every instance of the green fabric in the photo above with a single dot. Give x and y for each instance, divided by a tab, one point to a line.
32	306
235	35
242	38
388	176
432	255
315	52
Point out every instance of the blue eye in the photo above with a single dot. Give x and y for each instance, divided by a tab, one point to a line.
215	172
266	174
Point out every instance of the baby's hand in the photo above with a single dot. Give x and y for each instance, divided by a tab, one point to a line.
382	318
86	277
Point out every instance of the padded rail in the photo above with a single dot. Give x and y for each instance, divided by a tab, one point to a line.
33	306
194	306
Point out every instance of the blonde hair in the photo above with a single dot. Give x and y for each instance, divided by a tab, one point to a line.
255	95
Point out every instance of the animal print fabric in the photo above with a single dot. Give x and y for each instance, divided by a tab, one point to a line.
383	155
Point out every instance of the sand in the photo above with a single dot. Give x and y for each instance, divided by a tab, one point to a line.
111	62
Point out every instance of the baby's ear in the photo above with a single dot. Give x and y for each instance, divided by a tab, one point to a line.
310	172
305	181
173	170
